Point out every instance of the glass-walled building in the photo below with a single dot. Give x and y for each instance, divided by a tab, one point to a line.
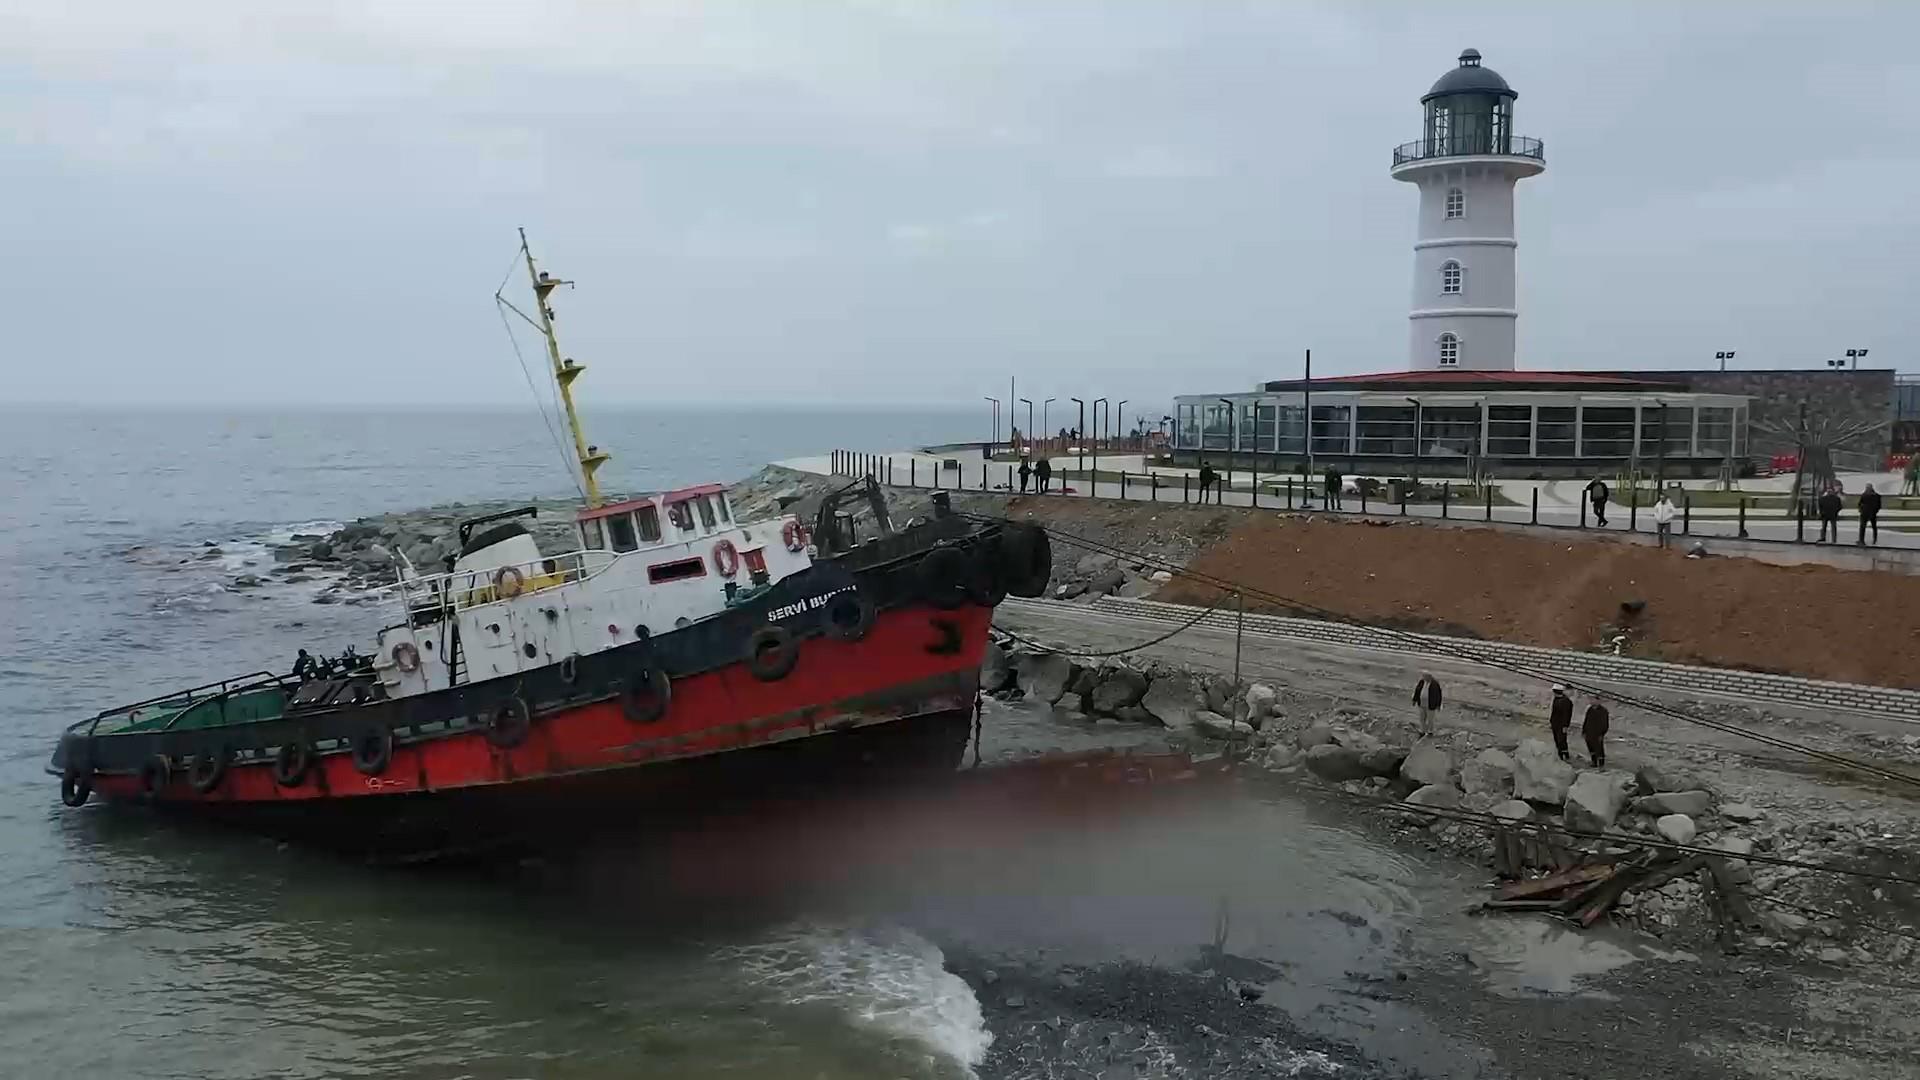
1512	423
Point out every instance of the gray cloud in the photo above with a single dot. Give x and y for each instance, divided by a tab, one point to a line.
906	201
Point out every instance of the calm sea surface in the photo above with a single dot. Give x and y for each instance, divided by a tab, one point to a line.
828	942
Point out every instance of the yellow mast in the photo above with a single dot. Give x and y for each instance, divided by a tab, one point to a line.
564	372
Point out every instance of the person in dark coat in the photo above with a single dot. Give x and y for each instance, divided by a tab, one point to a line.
1597	494
1560	719
1333	482
1026	471
1870	514
1426	697
1830	505
305	666
1593	729
1207	478
1044	473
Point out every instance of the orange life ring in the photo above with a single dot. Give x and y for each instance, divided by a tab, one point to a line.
794	535
726	558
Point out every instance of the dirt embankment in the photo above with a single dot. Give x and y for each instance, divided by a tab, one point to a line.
1813	621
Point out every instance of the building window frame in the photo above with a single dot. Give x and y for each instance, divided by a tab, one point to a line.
1453	278
1456	204
1449	343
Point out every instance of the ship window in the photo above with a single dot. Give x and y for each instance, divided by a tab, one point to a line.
592	536
620	531
720	504
680	515
679	570
649	518
706	511
1450	277
1456	203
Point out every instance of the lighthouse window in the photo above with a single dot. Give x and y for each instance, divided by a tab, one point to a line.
1450	277
1449	350
1456	203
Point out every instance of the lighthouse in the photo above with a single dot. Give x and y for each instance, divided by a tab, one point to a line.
1465	164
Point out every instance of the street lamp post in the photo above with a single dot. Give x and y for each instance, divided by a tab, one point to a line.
996	427
1233	437
1082	429
1122	410
1415	402
1093	482
1723	356
1029	402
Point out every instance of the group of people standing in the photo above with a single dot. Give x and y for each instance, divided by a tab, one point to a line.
1832	501
1040	472
1427	697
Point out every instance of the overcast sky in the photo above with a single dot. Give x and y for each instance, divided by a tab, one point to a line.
910	201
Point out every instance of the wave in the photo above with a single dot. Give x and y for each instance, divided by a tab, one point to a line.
888	979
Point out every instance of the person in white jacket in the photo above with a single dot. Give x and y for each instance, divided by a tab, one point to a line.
1663	519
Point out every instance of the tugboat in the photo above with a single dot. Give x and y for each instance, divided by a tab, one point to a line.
519	696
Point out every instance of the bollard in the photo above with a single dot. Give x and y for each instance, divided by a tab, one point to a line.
1633	508
1010	478
983	476
1489	502
1446	490
1799	518
1743	517
1583	510
1153	486
1535	520
1123	484
1686	513
913	472
1289	492
1183	488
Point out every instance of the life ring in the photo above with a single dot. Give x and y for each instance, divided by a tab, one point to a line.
850	615
726	558
155	774
209	768
509	723
794	535
944	577
373	750
771	653
647	699
505	574
292	762
406	657
75	786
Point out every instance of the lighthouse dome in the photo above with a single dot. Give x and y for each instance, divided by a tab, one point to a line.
1470	78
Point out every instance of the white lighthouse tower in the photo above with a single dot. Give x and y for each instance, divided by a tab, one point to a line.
1466	164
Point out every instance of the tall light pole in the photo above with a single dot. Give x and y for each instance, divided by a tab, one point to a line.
1093	485
1083	428
1856	355
1029	402
1723	357
1122	410
1416	440
1045	427
1306	437
996	425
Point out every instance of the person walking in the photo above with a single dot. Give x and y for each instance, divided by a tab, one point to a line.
1597	494
1870	514
1829	506
1207	477
1333	483
1560	719
1593	729
1663	520
1426	697
1043	472
1026	470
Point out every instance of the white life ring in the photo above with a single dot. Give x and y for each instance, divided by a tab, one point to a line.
406	657
726	558
505	574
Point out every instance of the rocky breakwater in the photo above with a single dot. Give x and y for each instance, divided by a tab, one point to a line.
1185	702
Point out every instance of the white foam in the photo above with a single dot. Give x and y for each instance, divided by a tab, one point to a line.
888	979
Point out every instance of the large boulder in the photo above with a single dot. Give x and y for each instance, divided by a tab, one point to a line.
1512	810
996	671
1215	726
1383	761
1045	676
1106	581
1690	803
1739	811
1260	701
1538	773
1357	740
1092	564
1427	764
1117	688
1317	734
1490	772
1652	779
1596	798
1173	700
1335	763
1444	796
1676	828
